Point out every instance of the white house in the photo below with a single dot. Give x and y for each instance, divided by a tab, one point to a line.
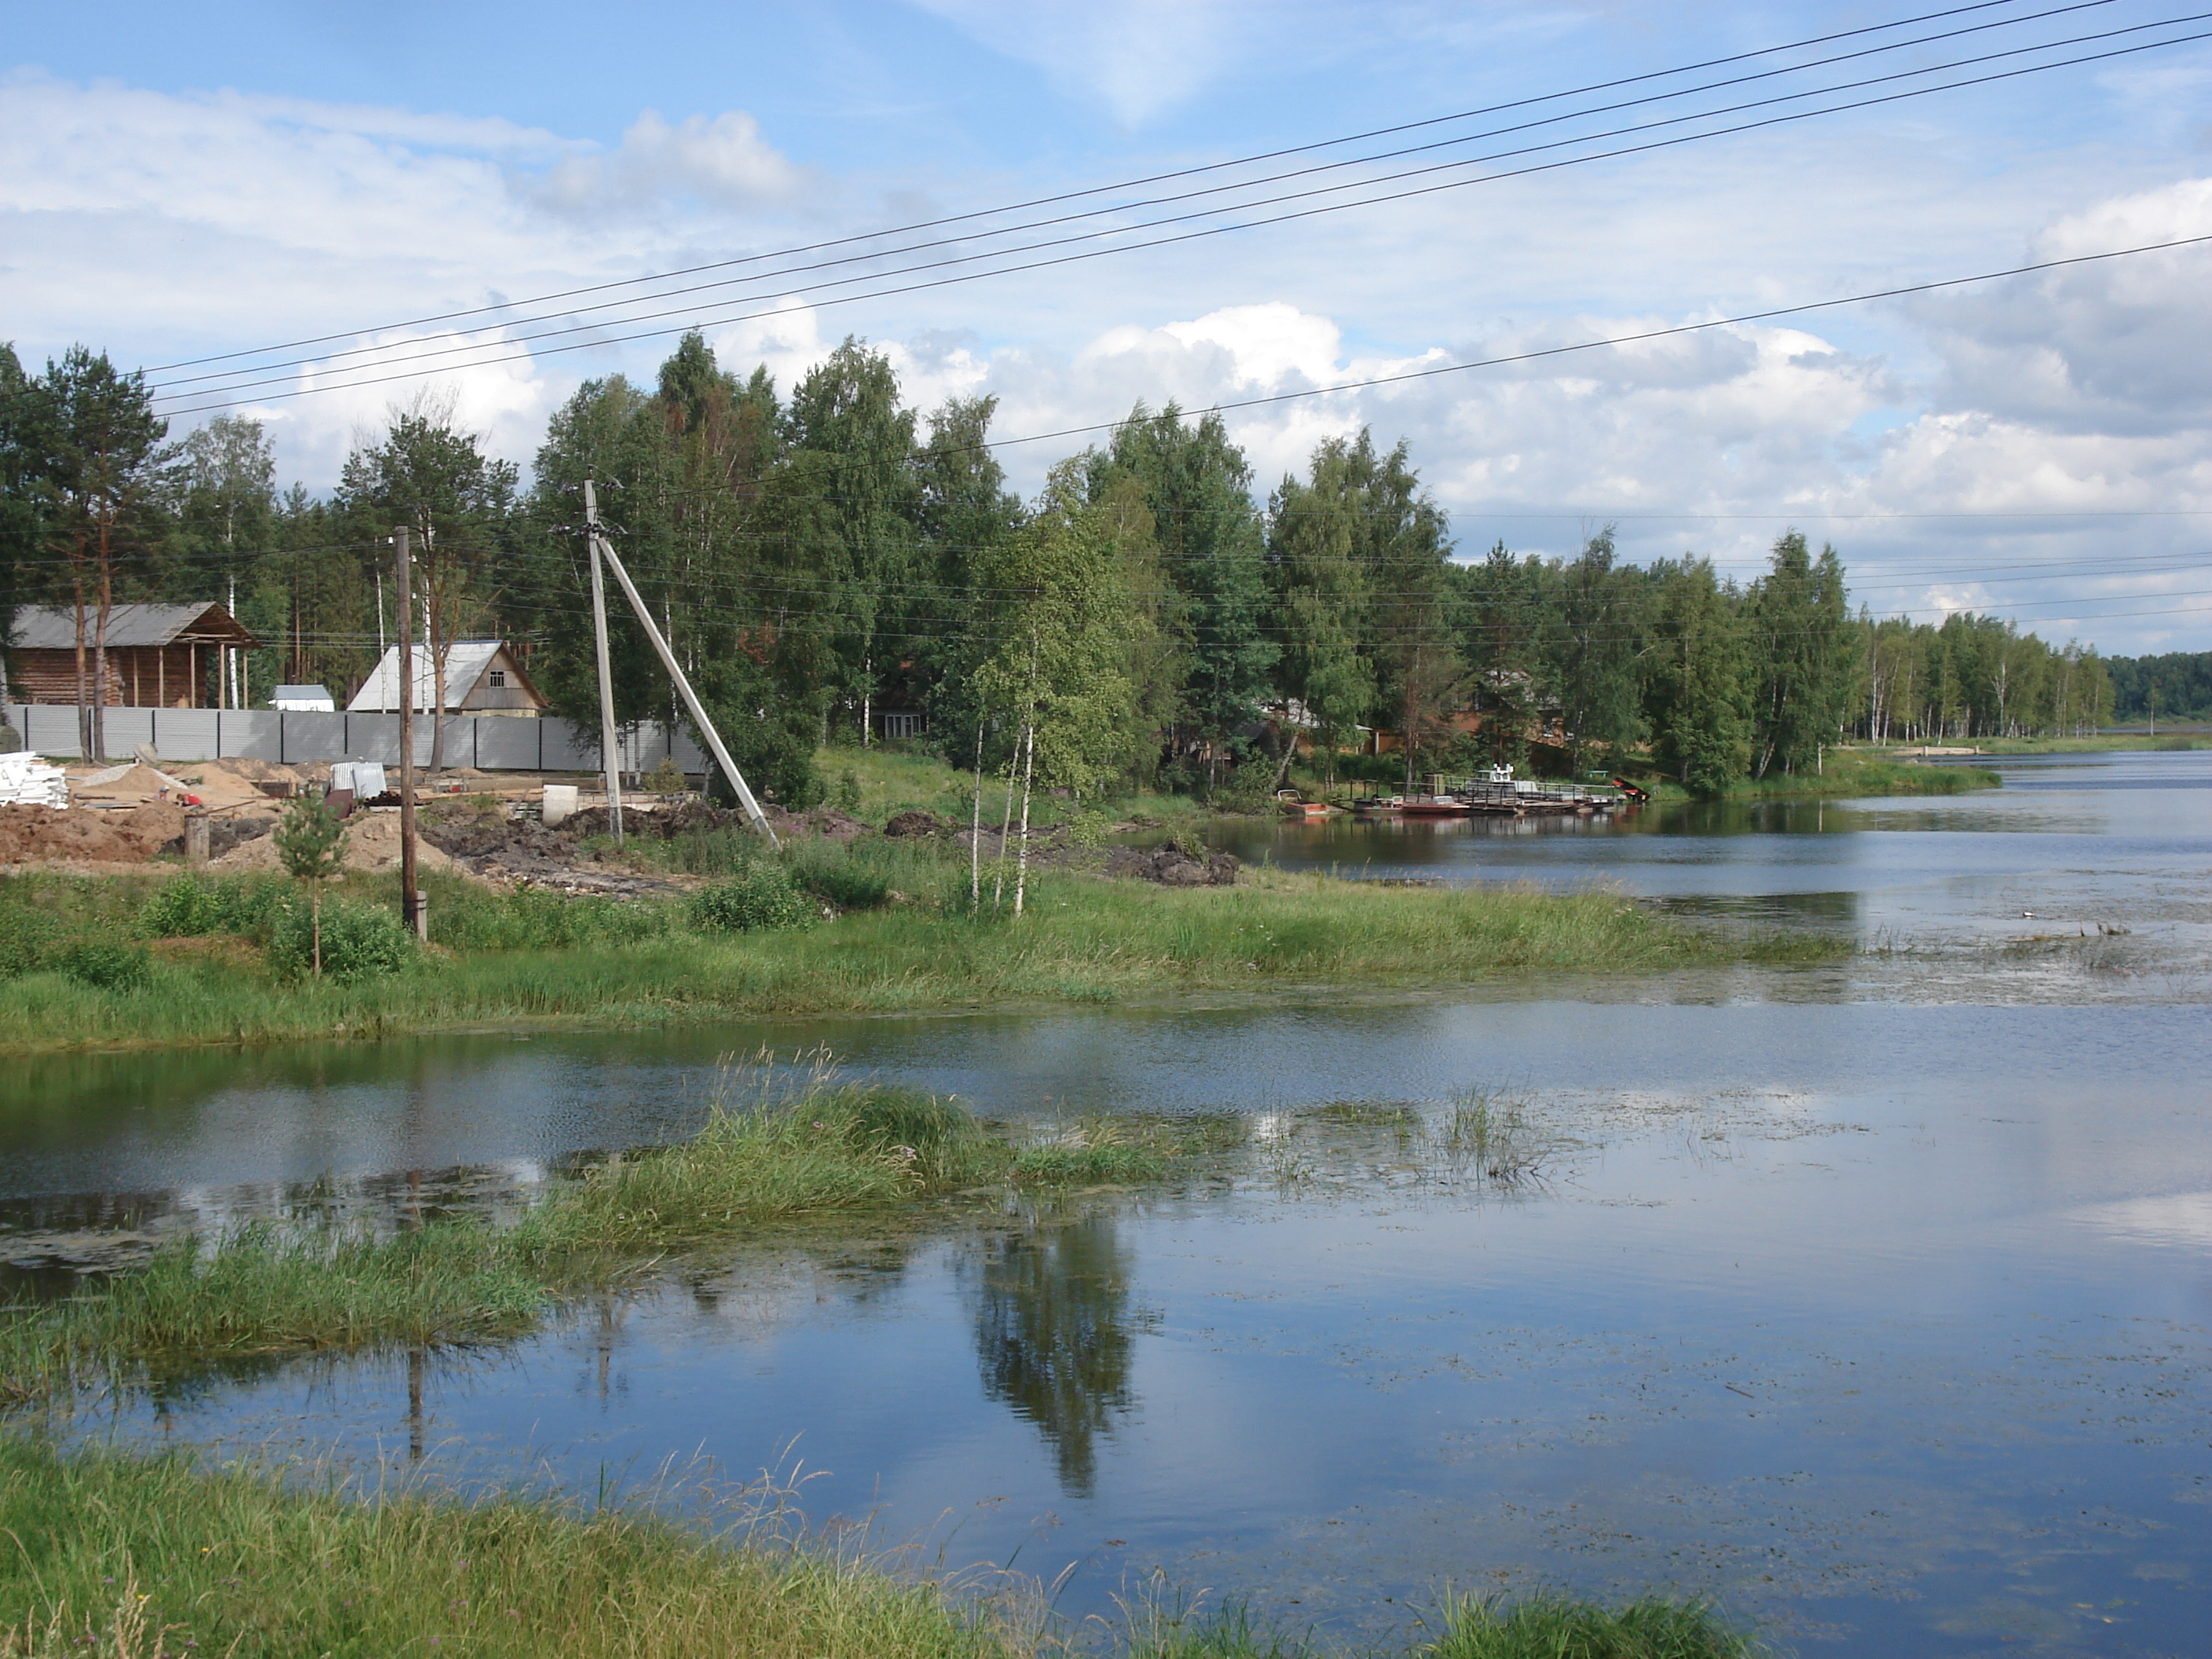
481	678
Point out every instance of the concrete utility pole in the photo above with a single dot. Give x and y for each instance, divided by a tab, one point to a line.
610	750
410	901
684	689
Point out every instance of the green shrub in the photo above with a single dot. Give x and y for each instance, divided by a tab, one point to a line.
841	879
27	937
465	917
361	941
104	964
762	896
191	905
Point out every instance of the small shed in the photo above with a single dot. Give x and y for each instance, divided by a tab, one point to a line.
303	700
481	678
159	656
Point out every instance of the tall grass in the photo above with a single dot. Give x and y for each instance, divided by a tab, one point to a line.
136	1557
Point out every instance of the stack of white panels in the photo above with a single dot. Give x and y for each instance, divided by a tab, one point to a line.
27	781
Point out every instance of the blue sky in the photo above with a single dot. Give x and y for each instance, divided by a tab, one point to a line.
178	181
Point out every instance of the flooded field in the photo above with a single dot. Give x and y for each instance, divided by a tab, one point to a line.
1871	1299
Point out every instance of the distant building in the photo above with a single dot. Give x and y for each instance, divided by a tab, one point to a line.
303	700
481	678
159	656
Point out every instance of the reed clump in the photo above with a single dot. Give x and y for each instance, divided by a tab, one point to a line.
265	1291
825	1148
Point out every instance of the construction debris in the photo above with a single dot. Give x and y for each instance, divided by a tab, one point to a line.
27	781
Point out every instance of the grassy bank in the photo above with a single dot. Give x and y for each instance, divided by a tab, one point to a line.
2186	739
536	958
159	1556
1846	772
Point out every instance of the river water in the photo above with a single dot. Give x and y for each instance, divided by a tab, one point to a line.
1871	1299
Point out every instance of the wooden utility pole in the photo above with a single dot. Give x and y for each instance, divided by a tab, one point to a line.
683	688
410	901
609	749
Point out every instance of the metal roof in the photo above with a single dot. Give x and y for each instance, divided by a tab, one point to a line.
465	663
129	626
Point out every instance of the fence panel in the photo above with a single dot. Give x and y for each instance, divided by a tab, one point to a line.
186	734
314	738
48	729
507	745
566	749
250	733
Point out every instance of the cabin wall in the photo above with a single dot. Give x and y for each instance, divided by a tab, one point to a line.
138	677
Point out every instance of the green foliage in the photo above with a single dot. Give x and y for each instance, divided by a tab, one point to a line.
26	936
760	897
104	964
465	916
310	839
665	779
846	797
837	875
361	941
190	905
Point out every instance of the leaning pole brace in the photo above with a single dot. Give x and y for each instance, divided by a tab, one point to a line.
683	688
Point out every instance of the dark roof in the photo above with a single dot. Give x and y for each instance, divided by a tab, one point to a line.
130	625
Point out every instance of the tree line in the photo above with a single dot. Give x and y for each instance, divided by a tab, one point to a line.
833	563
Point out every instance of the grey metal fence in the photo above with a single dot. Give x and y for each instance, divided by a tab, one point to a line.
491	742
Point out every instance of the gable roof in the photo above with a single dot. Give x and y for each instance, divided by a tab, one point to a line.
465	663
130	625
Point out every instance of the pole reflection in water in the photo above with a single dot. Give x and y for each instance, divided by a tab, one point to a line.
1054	1323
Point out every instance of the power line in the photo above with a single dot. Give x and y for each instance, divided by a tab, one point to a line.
875	255
1131	184
604	340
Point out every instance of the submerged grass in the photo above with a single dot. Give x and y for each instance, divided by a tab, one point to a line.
265	1291
1083	940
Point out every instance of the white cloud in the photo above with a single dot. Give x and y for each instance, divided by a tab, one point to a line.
720	162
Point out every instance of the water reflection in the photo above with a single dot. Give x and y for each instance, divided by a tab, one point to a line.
1054	1322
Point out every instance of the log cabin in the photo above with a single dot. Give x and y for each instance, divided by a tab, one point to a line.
159	656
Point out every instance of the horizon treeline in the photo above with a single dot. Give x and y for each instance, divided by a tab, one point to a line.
834	563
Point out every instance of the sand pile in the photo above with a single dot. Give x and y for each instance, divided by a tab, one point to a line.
139	782
32	834
372	844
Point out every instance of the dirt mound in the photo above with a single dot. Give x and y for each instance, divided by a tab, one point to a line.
1171	866
918	821
259	772
137	782
372	844
32	834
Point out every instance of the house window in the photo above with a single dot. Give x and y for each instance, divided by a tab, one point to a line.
902	725
496	679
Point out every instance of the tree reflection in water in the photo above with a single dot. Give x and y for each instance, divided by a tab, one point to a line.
1054	1330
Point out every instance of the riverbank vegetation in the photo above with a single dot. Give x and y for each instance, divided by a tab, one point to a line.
157	1557
266	1292
187	957
837	565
